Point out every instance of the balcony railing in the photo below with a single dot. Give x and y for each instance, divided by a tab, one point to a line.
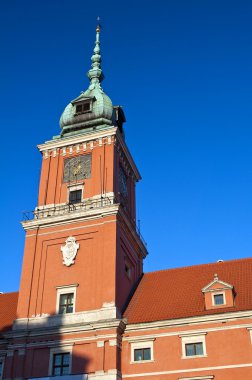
58	210
87	205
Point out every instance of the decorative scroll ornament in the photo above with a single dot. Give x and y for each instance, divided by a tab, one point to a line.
69	251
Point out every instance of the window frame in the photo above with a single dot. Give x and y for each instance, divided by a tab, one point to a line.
194	346
67	305
191	339
143	349
66	289
60	350
61	366
79	191
141	345
75	187
218	294
82	104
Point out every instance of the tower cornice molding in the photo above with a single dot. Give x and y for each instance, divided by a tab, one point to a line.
73	140
85	142
78	216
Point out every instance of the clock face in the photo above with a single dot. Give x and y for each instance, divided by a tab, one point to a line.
77	168
123	188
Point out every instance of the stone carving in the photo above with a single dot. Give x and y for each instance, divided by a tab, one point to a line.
69	251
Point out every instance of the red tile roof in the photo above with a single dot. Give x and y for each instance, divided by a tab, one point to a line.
176	293
8	308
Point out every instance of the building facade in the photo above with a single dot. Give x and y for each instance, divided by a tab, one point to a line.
85	309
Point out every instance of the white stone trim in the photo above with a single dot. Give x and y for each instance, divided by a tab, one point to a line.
209	377
160	373
193	338
100	343
80	139
70	229
65	289
60	350
141	344
100	339
75	187
87	139
218	293
224	285
84	317
203	319
112	374
111	194
79	215
250	332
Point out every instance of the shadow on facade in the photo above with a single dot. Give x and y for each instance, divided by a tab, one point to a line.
44	347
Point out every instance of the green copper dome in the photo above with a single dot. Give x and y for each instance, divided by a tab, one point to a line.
92	109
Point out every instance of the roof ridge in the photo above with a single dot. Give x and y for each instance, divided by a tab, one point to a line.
200	265
4	294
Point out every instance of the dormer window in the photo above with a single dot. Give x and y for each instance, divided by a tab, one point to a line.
83	107
219	299
218	294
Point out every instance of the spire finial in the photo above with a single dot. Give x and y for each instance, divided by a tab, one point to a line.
98	28
95	74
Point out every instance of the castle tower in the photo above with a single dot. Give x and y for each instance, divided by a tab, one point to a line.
83	254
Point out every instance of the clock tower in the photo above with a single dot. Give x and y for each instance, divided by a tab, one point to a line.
83	254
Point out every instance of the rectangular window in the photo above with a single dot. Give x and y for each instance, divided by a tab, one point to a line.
84	107
193	345
75	196
218	299
142	350
66	303
142	354
194	349
79	108
61	364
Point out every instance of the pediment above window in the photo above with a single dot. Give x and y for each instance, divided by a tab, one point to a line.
218	294
216	284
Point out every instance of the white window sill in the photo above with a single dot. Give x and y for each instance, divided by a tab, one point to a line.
193	356
142	361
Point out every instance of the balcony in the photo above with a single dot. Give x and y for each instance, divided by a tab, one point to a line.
89	205
63	209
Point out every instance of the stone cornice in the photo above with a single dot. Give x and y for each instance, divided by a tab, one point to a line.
71	217
211	318
93	139
81	138
44	327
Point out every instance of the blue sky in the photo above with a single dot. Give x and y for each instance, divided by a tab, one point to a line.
182	71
